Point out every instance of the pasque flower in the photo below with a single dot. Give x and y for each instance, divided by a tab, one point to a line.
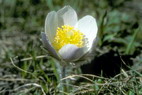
67	38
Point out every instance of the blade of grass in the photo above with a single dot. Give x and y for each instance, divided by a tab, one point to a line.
50	4
130	45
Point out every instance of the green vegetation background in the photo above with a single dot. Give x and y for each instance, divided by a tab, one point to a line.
24	69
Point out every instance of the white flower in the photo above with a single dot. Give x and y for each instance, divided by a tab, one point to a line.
68	38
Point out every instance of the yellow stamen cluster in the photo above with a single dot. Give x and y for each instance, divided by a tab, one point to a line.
67	35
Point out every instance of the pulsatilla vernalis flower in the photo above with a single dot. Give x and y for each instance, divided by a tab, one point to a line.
68	38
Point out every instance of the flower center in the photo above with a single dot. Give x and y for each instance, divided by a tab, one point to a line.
68	35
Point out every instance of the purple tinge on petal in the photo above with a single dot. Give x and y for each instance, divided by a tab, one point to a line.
48	46
71	52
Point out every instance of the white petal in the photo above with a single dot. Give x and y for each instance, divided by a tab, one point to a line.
71	52
88	26
87	57
51	24
68	16
48	46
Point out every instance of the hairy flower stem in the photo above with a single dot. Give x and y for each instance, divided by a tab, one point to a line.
61	71
63	82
